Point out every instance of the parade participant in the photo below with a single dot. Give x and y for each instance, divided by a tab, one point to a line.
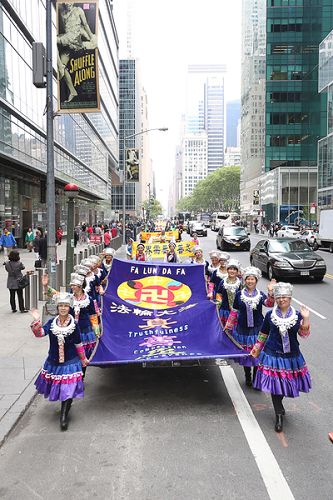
218	275
245	318
198	256
171	255
61	378
282	370
84	313
140	253
227	290
195	239
129	248
214	262
107	261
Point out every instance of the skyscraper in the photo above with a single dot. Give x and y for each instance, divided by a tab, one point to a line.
232	118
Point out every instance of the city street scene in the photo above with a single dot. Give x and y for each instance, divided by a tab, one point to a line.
166	249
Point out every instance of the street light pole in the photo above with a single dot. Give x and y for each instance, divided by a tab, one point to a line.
50	183
162	129
71	192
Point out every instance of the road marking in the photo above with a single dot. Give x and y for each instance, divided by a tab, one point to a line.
312	310
330	276
275	482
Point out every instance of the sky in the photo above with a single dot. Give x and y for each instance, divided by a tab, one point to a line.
167	36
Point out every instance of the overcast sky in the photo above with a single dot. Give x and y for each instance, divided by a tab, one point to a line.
167	37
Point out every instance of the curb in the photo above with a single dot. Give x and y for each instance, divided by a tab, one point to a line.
16	411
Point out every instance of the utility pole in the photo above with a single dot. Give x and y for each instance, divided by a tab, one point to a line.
50	183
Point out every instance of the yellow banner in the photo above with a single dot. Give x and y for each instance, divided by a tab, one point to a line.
158	250
156	235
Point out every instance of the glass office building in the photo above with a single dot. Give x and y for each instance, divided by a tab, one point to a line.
86	145
295	112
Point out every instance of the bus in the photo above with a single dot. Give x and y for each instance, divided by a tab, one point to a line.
223	219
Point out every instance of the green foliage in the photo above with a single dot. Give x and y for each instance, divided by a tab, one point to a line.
220	191
152	207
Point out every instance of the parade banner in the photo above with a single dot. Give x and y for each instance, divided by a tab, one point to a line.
155	235
157	313
158	250
77	58
132	165
95	238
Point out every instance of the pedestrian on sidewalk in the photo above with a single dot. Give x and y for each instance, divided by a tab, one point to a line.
29	238
35	244
282	370
42	249
59	235
7	242
61	378
107	238
14	268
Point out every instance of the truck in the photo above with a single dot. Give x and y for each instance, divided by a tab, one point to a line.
325	234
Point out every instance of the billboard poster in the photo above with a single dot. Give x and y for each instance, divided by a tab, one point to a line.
132	165
77	56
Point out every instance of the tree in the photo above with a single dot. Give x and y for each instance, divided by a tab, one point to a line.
220	191
152	208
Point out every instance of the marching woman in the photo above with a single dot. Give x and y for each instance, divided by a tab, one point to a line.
84	314
61	378
198	257
282	370
140	253
246	318
171	255
218	275
107	263
227	290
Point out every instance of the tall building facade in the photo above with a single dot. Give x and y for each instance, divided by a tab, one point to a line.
252	135
325	146
205	109
295	112
232	120
86	145
194	161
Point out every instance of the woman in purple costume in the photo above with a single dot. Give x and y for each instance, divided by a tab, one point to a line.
227	290
246	317
282	370
61	376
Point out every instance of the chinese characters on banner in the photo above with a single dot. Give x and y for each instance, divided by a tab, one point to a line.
77	56
158	312
156	235
158	250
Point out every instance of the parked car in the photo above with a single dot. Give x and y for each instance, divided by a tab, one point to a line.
233	238
287	258
189	225
199	228
309	236
288	232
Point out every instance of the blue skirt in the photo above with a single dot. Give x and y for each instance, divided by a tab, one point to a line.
61	382
284	375
89	340
246	337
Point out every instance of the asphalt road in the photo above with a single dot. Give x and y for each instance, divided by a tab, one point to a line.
172	433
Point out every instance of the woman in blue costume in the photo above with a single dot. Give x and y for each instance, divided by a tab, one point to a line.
246	317
227	290
61	378
218	275
282	370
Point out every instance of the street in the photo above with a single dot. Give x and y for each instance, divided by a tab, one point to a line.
167	433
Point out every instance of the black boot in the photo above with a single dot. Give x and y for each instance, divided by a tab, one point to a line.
65	407
279	423
248	378
84	369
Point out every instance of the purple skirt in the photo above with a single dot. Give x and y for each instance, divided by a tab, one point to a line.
61	382
283	376
89	340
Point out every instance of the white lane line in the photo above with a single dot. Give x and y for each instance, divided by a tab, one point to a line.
275	482
312	310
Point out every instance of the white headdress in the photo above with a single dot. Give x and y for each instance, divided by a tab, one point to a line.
95	259
83	270
252	271
214	253
233	263
109	251
197	248
63	298
224	256
283	289
76	279
87	262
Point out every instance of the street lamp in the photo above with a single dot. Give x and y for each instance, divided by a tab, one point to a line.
162	129
71	192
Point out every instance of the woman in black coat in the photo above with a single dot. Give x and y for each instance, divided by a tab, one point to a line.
14	268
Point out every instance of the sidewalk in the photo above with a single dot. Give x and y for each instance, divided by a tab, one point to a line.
21	354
